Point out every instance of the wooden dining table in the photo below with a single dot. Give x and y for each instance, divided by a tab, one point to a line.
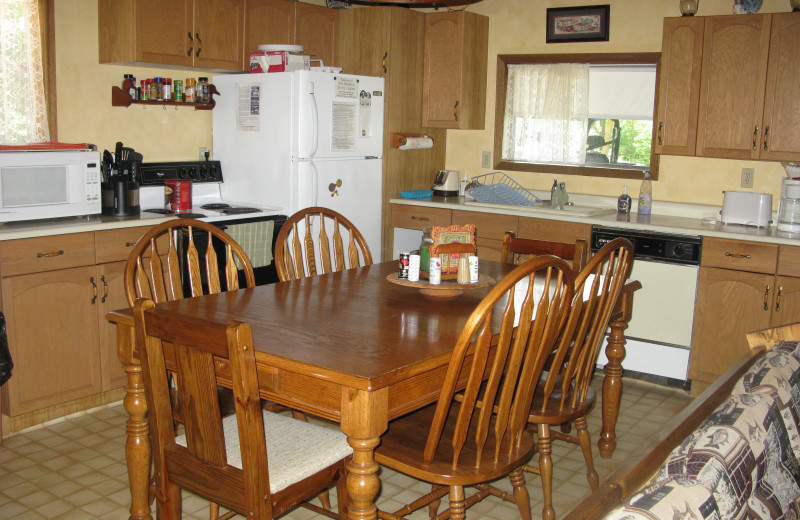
352	347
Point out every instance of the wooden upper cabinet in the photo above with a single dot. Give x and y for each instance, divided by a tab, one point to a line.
679	85
219	33
735	52
781	139
187	33
454	77
315	30
290	22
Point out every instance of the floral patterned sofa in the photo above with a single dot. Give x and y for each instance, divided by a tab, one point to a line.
733	454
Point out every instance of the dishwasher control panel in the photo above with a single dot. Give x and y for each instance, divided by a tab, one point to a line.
654	246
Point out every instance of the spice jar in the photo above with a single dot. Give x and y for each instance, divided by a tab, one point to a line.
202	90
166	91
178	90
144	90
189	90
155	85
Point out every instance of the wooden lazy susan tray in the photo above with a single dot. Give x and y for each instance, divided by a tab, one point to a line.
446	289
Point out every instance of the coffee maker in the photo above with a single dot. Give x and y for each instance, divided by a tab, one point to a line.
119	189
789	206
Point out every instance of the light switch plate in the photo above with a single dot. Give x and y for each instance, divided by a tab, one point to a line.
486	160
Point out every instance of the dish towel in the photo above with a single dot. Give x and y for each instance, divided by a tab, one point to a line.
256	240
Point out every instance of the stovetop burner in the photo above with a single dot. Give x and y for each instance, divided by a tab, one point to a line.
216	205
238	210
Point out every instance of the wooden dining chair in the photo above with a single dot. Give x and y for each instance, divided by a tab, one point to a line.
518	250
255	463
158	274
476	431
563	393
301	250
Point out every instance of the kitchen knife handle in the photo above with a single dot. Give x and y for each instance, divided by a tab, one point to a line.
94	289
191	46
660	131
766	298
755	138
766	138
778	299
199	45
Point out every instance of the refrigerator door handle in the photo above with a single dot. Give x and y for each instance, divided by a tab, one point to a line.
314	121
314	183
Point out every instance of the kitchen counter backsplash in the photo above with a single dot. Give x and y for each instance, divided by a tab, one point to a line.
667	217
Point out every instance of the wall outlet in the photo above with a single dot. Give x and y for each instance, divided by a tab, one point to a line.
486	160
747	177
201	153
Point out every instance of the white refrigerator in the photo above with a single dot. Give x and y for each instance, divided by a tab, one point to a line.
300	139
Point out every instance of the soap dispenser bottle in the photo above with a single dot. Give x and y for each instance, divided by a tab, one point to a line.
624	202
554	194
645	195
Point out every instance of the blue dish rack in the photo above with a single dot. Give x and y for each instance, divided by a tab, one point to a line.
499	188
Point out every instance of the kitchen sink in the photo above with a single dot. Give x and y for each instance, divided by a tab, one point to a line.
577	210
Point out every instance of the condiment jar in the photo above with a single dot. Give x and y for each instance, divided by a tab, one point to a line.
189	90
166	91
202	90
463	269
178	90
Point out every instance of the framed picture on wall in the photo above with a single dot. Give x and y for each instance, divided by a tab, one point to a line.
578	24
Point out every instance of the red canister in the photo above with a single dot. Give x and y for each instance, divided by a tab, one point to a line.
179	194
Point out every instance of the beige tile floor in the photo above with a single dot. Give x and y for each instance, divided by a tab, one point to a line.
74	468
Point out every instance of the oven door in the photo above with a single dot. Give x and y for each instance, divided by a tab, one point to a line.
257	237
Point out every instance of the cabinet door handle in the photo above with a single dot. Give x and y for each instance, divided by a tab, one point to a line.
424	219
105	288
130	244
191	45
50	254
766	138
455	111
199	45
94	289
383	61
766	298
778	299
755	138
660	132
738	255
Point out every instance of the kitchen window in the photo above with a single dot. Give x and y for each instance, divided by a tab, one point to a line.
586	114
27	75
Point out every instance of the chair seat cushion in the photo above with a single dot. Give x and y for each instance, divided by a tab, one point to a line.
295	449
403	444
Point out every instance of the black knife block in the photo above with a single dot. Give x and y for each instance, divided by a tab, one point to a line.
120	197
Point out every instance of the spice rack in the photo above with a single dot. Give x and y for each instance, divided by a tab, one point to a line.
120	97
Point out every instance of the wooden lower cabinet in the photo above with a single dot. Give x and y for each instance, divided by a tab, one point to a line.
729	304
489	229
786	308
112	296
51	320
553	230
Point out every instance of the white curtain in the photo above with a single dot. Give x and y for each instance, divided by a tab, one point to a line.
23	117
546	113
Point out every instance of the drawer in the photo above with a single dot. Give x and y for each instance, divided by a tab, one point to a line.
36	255
114	245
553	230
739	255
418	217
789	261
487	225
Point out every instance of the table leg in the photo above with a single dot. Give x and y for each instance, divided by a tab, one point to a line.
364	419
137	445
612	388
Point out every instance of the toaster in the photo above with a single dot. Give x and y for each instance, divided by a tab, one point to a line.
745	207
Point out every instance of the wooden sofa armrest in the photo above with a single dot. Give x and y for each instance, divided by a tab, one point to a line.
639	469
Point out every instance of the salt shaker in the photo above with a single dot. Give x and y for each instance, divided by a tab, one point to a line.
463	269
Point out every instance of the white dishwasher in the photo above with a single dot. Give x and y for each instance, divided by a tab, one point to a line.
659	334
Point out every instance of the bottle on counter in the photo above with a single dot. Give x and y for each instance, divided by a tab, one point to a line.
624	202
645	195
554	194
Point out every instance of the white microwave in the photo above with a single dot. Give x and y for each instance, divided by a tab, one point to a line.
49	184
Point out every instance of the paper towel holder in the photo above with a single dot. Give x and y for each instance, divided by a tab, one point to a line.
399	139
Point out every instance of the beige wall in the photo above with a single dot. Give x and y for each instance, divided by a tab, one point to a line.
85	113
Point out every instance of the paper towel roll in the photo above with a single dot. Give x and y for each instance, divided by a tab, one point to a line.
417	143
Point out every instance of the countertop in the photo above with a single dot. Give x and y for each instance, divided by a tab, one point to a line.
63	226
666	217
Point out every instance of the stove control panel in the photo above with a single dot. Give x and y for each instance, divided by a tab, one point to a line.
154	174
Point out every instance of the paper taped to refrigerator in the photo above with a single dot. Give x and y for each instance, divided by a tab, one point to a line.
248	110
343	125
